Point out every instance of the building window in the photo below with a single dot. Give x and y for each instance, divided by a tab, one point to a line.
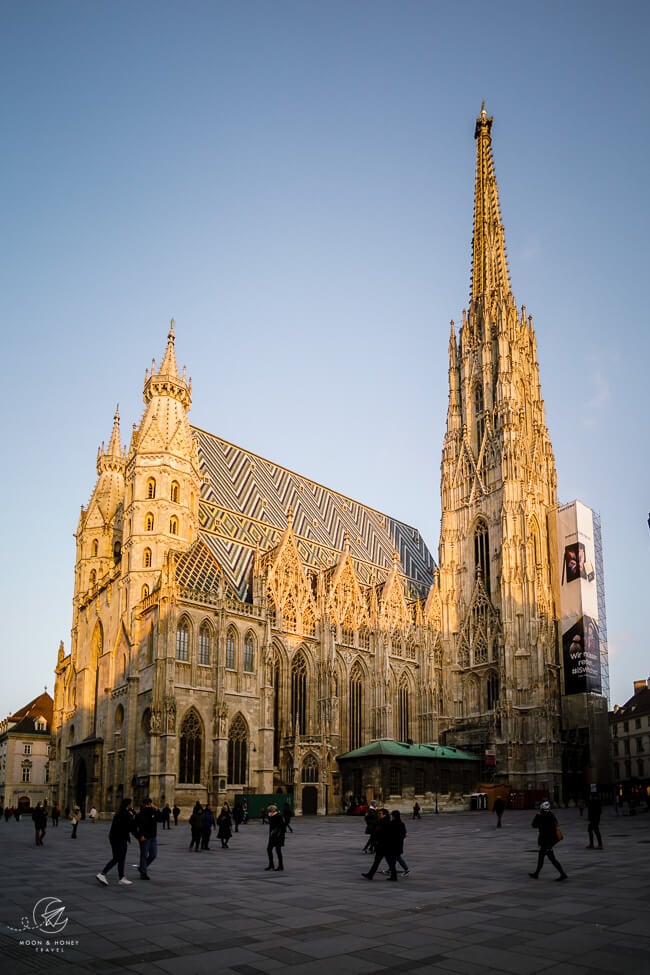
347	636
639	746
492	691
403	712
626	726
93	578
151	488
238	752
173	526
395	780
204	645
482	553
148	522
364	638
146	558
27	775
145	591
249	654
299	693
230	649
95	548
356	708
183	641
479	415
175	492
27	749
639	768
189	767
419	781
309	771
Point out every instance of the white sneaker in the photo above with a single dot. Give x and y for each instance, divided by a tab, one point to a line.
124	882
102	879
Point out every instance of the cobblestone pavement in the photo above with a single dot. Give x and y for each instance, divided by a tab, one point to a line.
468	905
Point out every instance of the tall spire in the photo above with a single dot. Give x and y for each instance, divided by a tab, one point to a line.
112	458
489	262
166	381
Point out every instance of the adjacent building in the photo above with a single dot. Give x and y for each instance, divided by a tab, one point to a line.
630	737
25	738
241	629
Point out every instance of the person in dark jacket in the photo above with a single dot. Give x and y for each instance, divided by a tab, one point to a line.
238	815
277	830
499	809
372	821
196	826
207	824
119	836
165	816
594	810
546	824
386	844
176	813
287	813
147	829
398	830
39	815
224	824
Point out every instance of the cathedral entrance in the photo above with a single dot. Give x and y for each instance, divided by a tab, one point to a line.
309	800
81	786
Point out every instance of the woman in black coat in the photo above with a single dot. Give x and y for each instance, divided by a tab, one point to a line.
277	829
224	822
119	837
546	823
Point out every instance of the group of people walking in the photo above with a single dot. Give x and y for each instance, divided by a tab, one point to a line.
386	834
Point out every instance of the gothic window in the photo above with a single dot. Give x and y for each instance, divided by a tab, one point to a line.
117	551
95	548
289	615
309	771
492	691
231	643
308	621
410	648
238	752
150	642
151	488
93	578
270	609
275	679
479	415
204	644
145	591
175	492
482	552
364	638
148	522
145	724
472	697
403	715
183	640
299	692
398	648
395	780
146	558
347	636
249	654
173	526
356	708
119	716
189	765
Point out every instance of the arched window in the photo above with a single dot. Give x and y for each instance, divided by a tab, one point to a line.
482	553
231	644
356	708
299	692
238	752
309	772
175	492
93	577
275	678
289	616
492	691
191	736
95	548
145	591
145	723
119	716
249	654
347	636
204	644
151	488
150	645
117	551
148	522
403	716
479	415
146	558
183	640
364	638
173	526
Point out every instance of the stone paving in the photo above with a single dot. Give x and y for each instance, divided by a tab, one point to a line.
468	905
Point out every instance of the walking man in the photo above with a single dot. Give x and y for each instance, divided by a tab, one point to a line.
594	810
119	837
499	808
546	823
147	829
384	845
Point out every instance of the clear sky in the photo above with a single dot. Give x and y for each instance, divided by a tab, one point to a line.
293	182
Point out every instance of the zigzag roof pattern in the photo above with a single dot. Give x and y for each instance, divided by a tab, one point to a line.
244	504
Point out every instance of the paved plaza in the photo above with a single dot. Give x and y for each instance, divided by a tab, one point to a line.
468	905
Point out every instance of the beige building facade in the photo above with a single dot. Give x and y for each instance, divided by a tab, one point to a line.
25	742
237	627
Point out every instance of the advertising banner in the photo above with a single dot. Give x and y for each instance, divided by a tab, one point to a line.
578	599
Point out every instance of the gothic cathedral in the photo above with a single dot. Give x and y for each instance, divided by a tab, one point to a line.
238	628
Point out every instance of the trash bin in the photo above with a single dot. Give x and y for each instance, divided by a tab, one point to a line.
473	801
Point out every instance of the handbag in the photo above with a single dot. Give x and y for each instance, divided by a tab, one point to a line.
559	835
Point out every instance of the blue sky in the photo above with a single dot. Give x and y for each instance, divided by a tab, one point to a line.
293	183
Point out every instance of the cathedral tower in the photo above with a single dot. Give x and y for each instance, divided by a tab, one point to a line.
498	489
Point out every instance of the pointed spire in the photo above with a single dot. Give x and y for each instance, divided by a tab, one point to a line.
112	458
489	262
166	381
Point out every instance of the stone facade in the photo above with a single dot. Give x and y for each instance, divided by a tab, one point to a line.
236	626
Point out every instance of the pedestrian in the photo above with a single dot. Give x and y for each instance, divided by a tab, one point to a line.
244	807
176	813
581	806
207	823
237	815
546	823
277	830
56	813
263	815
287	813
92	815
499	809
224	823
196	826
398	835
371	819
385	846
119	836
416	810
147	832
165	816
39	817
594	810
75	816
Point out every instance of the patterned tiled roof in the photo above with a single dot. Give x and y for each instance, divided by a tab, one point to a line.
244	504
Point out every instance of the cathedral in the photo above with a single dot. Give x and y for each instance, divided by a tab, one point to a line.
240	629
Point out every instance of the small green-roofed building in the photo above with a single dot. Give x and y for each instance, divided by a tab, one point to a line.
397	770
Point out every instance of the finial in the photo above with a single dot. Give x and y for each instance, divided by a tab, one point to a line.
172	323
483	112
